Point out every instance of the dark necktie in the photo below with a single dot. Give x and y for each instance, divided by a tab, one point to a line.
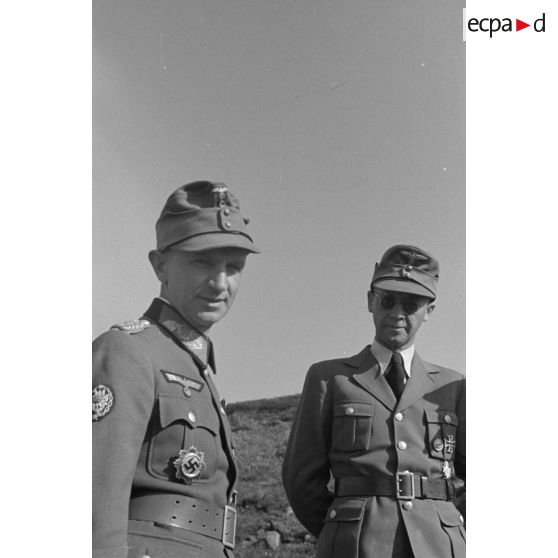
395	374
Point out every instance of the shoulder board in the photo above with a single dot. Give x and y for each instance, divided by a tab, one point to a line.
132	326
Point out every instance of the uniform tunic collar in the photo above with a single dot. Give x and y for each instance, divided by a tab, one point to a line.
170	319
383	356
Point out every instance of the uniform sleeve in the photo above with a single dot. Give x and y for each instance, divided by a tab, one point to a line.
123	377
306	470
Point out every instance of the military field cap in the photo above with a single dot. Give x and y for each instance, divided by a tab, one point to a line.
203	215
407	269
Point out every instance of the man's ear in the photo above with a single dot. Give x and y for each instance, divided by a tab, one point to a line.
158	261
370	299
429	310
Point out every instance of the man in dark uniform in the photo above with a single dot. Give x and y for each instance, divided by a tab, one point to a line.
388	428
163	464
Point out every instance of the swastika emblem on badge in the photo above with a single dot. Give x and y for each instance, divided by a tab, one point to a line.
189	464
103	399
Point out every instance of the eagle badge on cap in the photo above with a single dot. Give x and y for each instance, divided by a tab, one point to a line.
414	256
189	464
103	400
220	193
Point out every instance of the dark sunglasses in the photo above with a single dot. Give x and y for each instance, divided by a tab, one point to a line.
409	303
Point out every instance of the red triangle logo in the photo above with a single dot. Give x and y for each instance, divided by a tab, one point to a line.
519	25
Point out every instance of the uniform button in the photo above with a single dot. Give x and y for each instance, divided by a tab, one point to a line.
227	224
332	514
399	417
191	417
401	445
461	518
447	418
438	444
227	211
408	506
350	411
206	372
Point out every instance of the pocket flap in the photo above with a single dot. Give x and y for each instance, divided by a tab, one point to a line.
450	516
441	417
174	408
350	509
353	409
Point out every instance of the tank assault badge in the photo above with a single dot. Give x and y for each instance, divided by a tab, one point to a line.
189	464
103	400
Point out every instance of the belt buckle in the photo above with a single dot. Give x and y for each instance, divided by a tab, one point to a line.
229	527
398	486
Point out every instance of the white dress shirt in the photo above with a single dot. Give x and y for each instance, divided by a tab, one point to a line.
383	356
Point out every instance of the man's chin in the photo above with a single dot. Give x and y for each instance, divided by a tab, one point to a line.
205	320
395	342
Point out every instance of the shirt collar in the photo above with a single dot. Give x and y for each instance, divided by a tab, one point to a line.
383	356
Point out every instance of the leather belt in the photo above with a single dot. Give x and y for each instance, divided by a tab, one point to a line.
403	486
187	513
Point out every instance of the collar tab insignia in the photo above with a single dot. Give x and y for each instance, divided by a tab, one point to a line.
193	340
189	464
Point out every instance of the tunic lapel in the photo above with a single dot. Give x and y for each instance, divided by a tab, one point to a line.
369	377
423	379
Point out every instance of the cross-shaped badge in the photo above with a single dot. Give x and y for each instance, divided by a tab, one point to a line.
449	444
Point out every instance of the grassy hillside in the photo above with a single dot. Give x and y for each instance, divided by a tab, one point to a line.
266	525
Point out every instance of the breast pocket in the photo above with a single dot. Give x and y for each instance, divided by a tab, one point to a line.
183	424
442	433
352	426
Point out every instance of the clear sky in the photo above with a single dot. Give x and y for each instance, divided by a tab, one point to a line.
339	126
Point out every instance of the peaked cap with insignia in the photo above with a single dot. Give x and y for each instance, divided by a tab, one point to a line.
407	269
200	216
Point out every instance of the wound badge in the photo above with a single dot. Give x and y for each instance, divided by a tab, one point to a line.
446	470
103	400
438	444
189	464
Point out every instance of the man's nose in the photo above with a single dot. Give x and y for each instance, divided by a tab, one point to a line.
218	279
397	309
